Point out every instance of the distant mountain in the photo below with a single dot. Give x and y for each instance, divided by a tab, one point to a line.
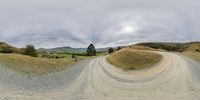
63	49
57	49
106	49
69	49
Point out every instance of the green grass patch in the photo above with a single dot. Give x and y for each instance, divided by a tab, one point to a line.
60	55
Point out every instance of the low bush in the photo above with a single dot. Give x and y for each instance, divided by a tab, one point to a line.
7	50
30	51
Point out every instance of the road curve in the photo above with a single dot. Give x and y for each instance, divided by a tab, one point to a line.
175	77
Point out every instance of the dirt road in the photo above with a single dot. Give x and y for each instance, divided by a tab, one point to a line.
174	78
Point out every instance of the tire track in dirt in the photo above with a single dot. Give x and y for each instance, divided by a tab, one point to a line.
175	77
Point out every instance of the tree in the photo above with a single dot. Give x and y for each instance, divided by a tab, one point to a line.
91	51
31	51
119	48
110	50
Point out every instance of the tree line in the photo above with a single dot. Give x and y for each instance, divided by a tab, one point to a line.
31	51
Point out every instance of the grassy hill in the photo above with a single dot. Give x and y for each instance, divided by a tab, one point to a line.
190	49
178	47
193	55
33	65
140	47
13	58
6	48
164	46
133	59
192	46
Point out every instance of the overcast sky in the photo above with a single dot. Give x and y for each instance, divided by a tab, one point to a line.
77	23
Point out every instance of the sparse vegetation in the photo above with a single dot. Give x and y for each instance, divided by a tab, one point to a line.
133	59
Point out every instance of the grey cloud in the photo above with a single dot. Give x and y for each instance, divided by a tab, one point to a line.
78	23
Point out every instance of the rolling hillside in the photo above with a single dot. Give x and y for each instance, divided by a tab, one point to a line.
6	48
32	65
192	46
133	59
178	47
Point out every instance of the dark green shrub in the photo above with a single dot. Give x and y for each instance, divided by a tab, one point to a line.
91	51
73	56
30	51
110	50
7	50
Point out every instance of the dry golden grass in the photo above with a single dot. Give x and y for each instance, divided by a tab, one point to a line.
192	47
133	59
140	47
193	55
31	65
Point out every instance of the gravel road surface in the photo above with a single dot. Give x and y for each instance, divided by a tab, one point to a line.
175	77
